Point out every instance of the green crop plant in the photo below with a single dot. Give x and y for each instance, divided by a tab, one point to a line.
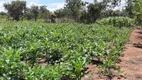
10	65
66	48
117	21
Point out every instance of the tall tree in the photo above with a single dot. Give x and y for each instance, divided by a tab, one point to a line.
35	10
28	14
94	11
130	8
15	9
111	3
43	12
60	13
74	7
138	11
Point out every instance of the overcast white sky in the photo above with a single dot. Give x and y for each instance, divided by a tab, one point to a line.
52	5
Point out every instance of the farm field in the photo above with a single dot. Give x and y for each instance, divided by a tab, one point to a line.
40	51
70	39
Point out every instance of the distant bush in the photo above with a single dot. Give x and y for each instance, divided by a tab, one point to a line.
117	21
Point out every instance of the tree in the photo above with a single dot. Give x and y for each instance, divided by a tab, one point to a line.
94	11
43	12
109	4
15	9
60	13
43	9
52	17
2	13
99	9
74	7
84	17
138	11
130	8
28	14
34	11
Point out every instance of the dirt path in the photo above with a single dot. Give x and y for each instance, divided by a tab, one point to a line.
131	62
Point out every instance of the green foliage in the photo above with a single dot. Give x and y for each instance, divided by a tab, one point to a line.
111	3
112	13
15	9
74	7
93	13
44	73
60	13
138	11
28	15
66	48
117	21
130	8
34	11
11	66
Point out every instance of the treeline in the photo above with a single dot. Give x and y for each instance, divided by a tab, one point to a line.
17	10
73	11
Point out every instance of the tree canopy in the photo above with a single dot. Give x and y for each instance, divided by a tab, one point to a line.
138	11
15	9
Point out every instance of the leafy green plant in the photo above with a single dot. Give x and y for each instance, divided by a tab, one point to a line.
78	64
10	65
66	48
117	21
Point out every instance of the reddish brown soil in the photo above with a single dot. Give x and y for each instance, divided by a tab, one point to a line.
131	61
93	73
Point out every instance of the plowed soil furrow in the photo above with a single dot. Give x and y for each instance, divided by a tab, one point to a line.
131	62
